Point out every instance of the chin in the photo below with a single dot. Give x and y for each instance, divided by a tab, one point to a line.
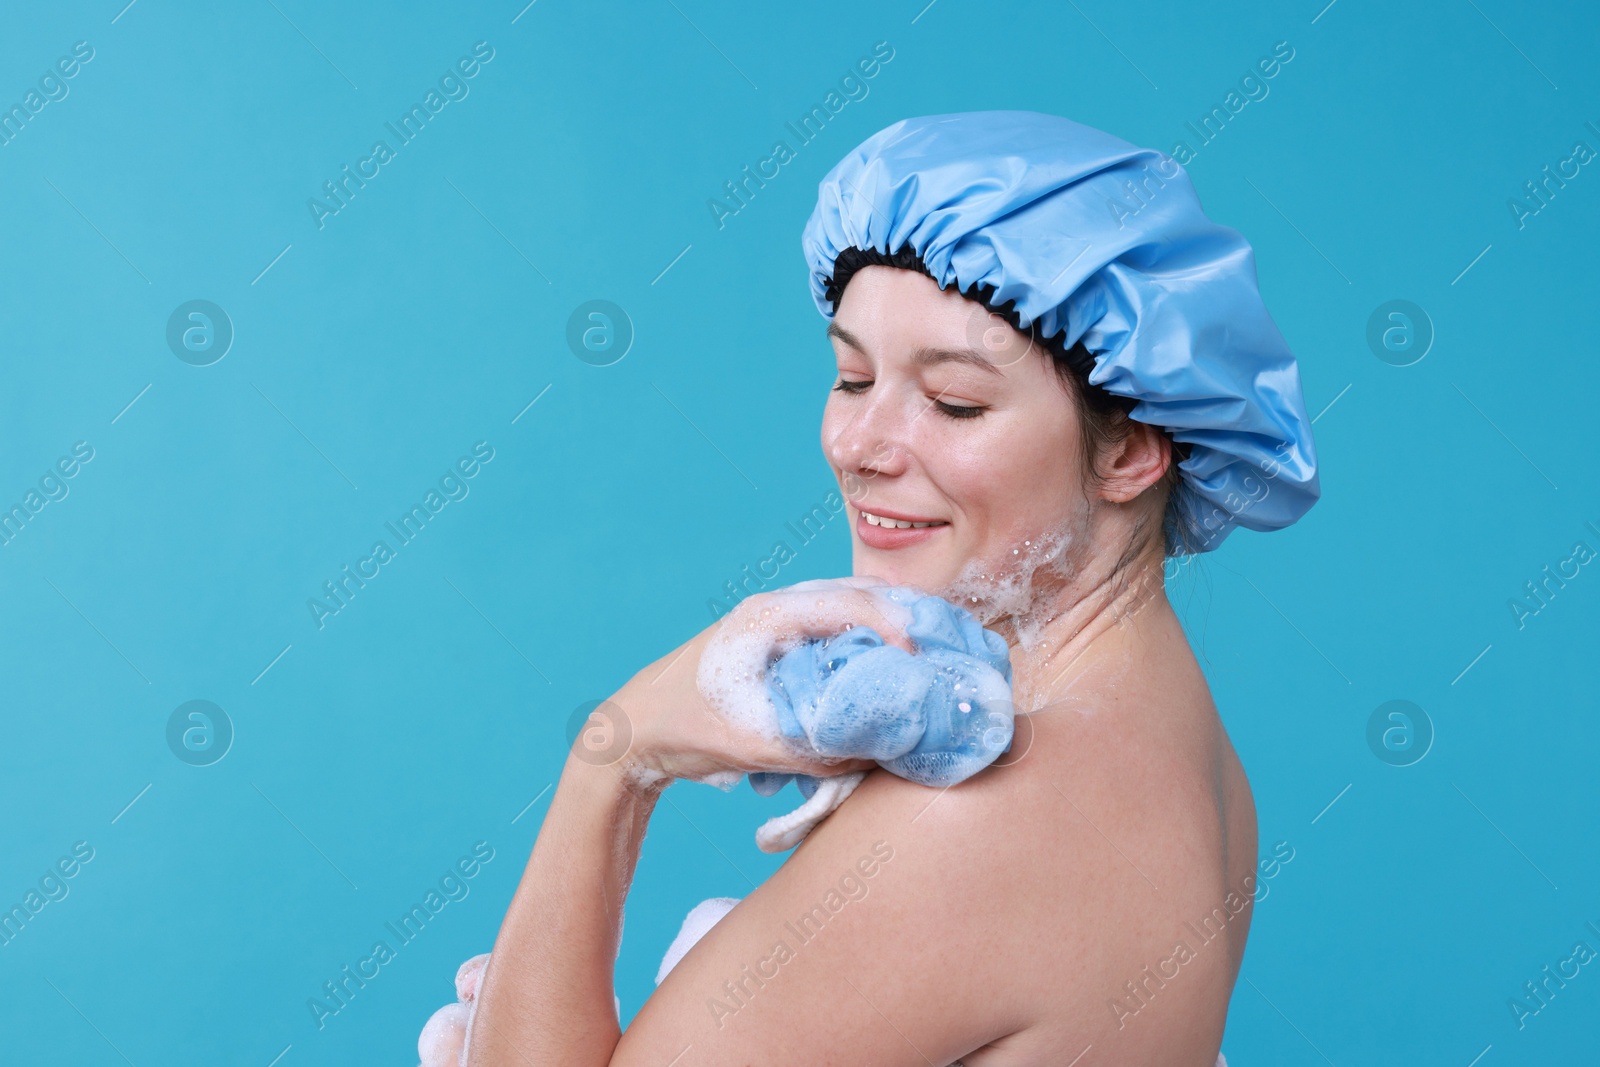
893	568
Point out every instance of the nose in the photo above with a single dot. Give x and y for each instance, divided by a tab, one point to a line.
870	439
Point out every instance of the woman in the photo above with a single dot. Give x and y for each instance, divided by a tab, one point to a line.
1054	372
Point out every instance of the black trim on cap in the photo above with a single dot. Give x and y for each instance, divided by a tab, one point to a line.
1078	359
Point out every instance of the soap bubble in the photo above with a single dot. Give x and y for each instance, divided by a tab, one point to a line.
1020	593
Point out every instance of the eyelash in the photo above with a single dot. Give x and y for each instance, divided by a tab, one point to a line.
953	411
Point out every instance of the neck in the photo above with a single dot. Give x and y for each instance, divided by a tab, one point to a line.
1079	608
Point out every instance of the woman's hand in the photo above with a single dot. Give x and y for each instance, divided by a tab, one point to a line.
547	993
661	726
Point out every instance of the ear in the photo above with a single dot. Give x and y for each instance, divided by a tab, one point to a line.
1132	466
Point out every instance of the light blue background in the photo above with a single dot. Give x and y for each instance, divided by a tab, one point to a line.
428	714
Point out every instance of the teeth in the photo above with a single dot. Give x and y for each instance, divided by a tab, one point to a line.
896	524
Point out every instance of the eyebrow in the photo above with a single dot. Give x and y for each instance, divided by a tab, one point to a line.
923	356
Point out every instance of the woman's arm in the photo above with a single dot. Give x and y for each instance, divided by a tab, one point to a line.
547	993
911	927
886	938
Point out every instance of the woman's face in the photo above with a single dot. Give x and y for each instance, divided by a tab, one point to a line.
945	414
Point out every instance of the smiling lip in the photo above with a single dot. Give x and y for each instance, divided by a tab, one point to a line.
884	537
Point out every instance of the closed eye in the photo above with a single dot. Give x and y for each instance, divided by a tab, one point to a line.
953	411
956	411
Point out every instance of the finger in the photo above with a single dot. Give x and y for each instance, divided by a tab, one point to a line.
826	612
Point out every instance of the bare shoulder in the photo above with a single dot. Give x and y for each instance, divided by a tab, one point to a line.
1112	846
1020	917
1138	809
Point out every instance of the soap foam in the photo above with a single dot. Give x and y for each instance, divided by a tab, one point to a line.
786	668
1021	589
732	676
733	664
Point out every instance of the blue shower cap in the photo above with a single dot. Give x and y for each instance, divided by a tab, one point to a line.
1090	239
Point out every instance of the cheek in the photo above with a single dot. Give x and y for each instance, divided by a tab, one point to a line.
970	470
1022	469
